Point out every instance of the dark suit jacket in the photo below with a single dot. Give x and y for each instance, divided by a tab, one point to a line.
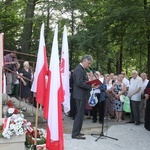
102	88
81	90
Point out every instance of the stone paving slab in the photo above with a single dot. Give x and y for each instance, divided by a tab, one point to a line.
130	137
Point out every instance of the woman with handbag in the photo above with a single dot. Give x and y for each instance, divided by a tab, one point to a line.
118	89
100	106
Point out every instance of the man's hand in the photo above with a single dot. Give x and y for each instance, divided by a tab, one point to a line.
129	95
146	96
95	86
117	96
13	62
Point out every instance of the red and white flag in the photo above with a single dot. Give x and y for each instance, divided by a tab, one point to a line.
41	70
2	59
52	107
65	71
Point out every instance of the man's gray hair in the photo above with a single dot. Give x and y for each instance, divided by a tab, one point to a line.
87	57
134	71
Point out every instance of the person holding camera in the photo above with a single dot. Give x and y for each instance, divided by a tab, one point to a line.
10	62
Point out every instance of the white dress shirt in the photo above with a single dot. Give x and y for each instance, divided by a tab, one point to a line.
133	86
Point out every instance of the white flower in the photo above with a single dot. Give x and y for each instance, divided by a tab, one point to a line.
22	115
7	133
4	133
8	136
17	133
11	110
21	131
10	133
14	116
42	133
19	123
17	126
11	126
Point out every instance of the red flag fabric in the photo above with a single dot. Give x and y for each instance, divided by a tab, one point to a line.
39	82
65	71
52	107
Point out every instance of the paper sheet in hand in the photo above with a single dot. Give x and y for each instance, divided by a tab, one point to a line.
96	82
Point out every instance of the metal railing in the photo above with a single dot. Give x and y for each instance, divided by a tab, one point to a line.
5	69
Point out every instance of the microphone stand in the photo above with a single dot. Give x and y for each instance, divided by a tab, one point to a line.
93	72
102	131
102	134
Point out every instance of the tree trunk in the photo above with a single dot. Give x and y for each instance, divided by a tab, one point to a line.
109	66
47	23
117	67
72	43
120	60
120	52
27	29
8	2
148	59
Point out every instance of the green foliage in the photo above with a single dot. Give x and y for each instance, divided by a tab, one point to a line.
111	31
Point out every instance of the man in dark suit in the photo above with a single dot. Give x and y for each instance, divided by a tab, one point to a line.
81	92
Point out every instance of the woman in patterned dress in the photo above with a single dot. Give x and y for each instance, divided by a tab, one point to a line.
118	89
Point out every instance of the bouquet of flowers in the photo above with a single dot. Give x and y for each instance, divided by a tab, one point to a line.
9	109
15	125
41	138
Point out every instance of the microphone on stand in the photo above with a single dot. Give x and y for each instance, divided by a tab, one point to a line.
93	71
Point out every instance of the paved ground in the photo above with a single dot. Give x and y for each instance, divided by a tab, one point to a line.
129	136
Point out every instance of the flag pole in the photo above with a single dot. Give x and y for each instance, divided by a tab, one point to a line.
36	125
1	64
39	82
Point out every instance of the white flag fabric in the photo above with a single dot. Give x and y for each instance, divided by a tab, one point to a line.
39	82
65	71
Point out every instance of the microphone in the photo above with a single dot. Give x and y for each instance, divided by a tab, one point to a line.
93	71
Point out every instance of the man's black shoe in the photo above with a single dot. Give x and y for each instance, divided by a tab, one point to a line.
100	121
148	129
81	134
78	137
137	123
130	122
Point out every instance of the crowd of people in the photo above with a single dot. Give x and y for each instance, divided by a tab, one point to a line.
136	88
109	105
18	79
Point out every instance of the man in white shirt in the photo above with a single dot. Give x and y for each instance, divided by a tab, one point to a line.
125	80
143	101
134	94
